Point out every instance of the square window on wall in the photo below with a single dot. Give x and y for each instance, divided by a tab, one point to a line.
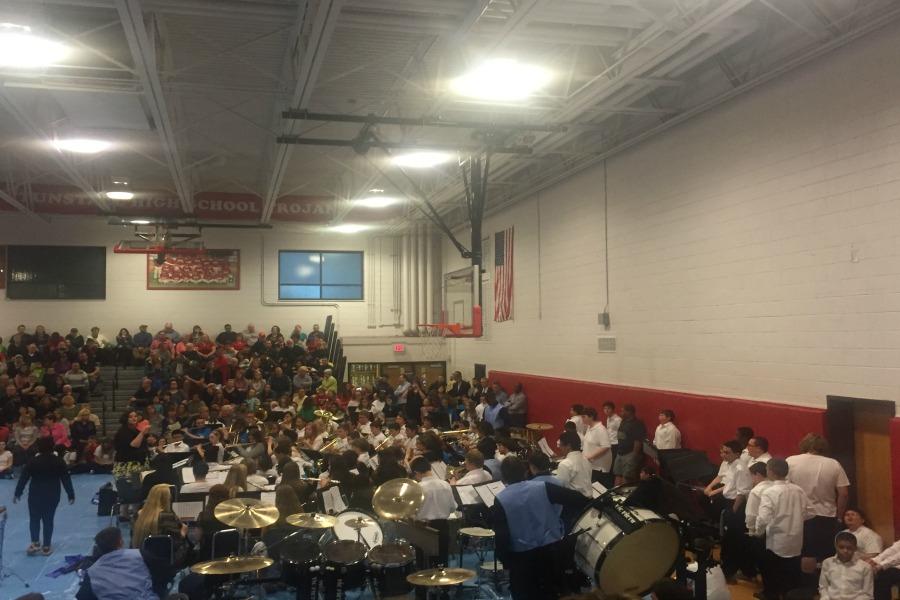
319	275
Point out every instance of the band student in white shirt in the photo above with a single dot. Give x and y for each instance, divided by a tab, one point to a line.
756	545
731	486
826	484
439	504
475	471
782	511
575	416
887	571
574	471
596	448
869	543
757	451
845	576
667	436
613	421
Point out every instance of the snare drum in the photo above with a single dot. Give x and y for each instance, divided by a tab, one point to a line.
370	535
389	564
343	567
625	549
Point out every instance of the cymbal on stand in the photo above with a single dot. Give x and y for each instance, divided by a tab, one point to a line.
311	521
246	513
440	577
232	565
360	523
398	499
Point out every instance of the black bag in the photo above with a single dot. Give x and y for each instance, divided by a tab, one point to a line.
107	496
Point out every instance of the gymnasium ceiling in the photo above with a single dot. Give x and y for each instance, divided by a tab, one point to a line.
191	91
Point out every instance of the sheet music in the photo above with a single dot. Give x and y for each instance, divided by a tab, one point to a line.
495	486
467	494
485	494
373	462
332	500
219	467
187	511
217	476
267	497
598	489
545	447
187	475
440	470
338	499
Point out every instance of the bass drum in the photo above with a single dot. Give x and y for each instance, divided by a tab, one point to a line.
371	535
389	564
343	568
625	549
300	558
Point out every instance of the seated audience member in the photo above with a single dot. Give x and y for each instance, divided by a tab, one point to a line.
783	508
117	573
887	571
6	462
82	429
868	542
200	470
25	434
574	469
475	471
845	576
667	436
104	456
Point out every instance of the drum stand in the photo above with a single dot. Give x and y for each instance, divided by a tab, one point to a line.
702	549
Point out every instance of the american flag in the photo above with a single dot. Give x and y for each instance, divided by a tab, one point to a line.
503	275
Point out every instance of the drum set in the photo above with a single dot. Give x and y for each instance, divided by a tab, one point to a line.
328	555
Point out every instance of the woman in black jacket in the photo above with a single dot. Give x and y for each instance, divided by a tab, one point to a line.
46	471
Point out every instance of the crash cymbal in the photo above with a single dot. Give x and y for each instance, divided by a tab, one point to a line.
359	523
440	577
246	513
539	426
477	532
232	565
312	521
398	499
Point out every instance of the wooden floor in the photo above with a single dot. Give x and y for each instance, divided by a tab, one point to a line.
744	590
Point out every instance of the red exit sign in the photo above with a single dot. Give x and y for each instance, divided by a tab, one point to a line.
399	347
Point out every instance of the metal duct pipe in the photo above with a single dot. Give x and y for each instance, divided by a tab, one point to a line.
413	276
421	266
404	282
429	275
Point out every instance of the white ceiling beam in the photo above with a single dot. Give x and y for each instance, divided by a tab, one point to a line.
22	208
37	133
144	54
313	57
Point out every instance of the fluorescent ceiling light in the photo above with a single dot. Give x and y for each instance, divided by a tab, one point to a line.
349	228
377	201
119	195
139	222
422	159
501	79
82	145
21	50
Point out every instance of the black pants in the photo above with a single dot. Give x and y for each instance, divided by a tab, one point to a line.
531	574
884	580
605	479
41	512
734	542
780	575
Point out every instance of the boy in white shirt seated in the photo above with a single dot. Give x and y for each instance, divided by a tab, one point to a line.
845	576
667	436
200	484
868	542
475	472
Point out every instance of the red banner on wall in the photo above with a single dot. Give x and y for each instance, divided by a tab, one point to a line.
66	200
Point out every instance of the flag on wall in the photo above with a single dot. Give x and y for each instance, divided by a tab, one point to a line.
503	275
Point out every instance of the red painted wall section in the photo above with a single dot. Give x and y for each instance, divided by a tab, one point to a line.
705	421
895	473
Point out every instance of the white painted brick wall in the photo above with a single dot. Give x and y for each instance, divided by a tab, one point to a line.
754	251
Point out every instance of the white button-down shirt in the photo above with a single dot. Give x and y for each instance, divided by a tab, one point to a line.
667	437
613	422
474	477
845	581
782	510
736	480
890	557
867	541
596	437
580	427
575	473
819	476
439	501
763	458
752	506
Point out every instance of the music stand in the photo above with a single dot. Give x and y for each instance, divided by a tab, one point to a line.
422	537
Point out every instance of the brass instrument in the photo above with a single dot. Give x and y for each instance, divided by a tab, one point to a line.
329	444
456	472
384	443
261	414
453	432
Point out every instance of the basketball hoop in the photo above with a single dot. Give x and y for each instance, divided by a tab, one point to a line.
432	334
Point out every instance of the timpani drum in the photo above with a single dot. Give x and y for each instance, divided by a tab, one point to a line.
625	549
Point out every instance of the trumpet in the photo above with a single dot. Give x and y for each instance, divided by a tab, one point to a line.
328	445
385	442
454	432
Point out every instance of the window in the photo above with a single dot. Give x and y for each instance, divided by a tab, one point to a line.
311	275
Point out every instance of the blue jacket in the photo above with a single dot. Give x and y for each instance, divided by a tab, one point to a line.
121	575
